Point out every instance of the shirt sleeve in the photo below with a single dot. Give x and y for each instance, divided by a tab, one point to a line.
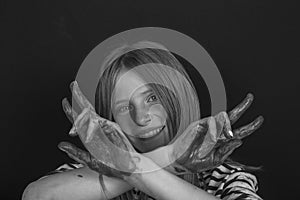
240	185
229	182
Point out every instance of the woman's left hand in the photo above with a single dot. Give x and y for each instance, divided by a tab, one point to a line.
206	143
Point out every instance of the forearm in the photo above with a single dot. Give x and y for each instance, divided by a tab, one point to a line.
82	183
163	185
77	184
160	155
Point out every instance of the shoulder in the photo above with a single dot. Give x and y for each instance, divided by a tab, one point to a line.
230	182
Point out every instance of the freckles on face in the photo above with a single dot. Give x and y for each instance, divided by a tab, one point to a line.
139	113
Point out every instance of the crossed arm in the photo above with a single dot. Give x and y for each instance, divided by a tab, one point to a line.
77	184
83	183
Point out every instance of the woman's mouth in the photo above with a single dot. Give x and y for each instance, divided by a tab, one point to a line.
151	133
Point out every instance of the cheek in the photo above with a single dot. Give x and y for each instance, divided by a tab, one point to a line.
125	122
159	111
128	125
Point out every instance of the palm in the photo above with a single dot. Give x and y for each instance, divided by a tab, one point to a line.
206	143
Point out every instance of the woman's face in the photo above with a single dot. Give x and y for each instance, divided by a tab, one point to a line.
139	113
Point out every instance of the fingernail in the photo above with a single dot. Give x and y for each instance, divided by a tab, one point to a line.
73	131
261	118
230	133
71	85
250	95
66	105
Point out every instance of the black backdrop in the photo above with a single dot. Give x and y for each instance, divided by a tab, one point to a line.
254	44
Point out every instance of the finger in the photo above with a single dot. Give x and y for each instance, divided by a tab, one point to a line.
226	149
238	111
92	127
69	111
246	130
79	121
71	115
223	126
75	153
79	97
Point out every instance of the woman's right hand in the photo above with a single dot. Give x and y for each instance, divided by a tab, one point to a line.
113	154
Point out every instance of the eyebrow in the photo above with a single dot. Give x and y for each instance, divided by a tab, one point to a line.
142	93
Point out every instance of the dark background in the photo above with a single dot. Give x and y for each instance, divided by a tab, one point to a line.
254	44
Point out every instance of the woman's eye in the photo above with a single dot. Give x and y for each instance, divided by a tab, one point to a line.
124	108
152	98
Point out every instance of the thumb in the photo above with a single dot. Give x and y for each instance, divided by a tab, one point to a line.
70	113
75	153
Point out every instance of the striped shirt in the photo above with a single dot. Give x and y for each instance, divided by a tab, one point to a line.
225	182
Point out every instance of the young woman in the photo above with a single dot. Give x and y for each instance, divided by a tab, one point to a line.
172	153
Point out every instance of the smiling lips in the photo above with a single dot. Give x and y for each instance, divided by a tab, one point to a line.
151	133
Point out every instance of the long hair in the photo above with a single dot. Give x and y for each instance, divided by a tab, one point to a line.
175	89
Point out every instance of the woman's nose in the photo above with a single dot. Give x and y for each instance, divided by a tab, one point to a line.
141	117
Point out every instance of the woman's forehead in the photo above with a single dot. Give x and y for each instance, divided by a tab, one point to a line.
127	84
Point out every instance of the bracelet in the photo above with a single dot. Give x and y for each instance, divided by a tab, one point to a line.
102	186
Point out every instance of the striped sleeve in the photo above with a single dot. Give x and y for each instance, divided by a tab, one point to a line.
232	183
